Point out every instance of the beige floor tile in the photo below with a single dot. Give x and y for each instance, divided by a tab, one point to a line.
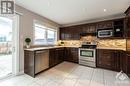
69	82
67	74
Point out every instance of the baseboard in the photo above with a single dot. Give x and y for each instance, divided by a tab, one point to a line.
20	73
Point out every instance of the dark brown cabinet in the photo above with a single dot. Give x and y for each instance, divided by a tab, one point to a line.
88	28
105	24
56	56
29	65
73	32
71	54
70	33
109	59
127	23
126	63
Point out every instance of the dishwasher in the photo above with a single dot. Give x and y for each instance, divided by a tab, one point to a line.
41	60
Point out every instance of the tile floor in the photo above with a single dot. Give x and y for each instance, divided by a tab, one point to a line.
5	65
68	74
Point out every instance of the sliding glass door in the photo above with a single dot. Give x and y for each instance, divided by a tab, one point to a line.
7	46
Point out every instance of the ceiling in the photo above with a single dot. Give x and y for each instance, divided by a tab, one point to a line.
65	12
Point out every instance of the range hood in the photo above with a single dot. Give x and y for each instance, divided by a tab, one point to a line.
88	34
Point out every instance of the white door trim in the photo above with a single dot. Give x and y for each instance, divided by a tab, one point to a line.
16	62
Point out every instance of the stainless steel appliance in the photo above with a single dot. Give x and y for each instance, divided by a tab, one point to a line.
87	55
41	61
105	32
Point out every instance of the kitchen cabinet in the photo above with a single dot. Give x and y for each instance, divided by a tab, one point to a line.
127	23
73	32
126	60
127	63
56	56
70	33
109	59
29	63
118	27
104	24
71	54
88	28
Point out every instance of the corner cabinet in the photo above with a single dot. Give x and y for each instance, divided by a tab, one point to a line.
56	56
71	54
109	59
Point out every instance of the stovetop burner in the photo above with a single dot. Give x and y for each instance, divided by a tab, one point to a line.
89	46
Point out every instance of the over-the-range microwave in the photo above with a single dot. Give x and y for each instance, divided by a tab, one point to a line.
107	32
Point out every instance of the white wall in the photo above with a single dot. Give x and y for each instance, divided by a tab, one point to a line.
26	28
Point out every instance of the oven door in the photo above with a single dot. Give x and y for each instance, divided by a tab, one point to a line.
105	33
87	54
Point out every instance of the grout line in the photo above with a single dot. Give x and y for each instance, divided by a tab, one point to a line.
104	78
91	77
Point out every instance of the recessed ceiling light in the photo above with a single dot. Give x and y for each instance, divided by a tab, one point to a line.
104	10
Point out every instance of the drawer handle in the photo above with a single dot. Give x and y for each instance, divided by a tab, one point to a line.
108	64
128	55
58	49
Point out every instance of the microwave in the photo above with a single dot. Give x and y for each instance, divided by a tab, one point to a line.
101	33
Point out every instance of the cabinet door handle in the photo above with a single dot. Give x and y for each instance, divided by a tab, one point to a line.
128	55
58	49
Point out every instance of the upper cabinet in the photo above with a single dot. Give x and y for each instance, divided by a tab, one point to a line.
88	28
74	32
127	23
105	24
70	33
118	26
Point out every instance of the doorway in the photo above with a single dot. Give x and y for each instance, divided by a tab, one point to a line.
8	46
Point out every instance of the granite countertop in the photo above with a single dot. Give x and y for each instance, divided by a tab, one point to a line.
112	48
52	47
42	48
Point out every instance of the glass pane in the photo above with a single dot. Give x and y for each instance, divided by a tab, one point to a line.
50	36
87	53
5	46
40	35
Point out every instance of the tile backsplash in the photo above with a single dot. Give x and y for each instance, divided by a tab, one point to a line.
113	43
104	43
70	42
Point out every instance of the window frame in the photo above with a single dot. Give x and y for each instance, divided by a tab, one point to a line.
46	28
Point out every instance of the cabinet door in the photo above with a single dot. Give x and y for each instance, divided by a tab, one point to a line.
128	63
71	54
85	28
68	56
127	25
74	54
62	34
105	59
105	24
92	28
52	58
59	55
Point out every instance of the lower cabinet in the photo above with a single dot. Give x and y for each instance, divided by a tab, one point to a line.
71	54
109	59
56	56
126	63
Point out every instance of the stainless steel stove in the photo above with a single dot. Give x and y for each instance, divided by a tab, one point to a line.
87	54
